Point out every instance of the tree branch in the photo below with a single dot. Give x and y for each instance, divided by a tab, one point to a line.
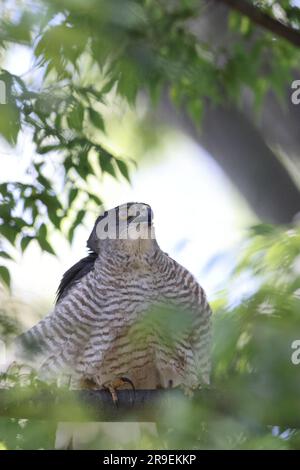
262	19
241	150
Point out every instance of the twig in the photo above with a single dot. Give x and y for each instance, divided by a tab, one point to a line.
264	20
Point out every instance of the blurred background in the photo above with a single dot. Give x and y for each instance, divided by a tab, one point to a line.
187	106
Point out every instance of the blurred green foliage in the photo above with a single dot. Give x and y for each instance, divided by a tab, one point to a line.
252	402
86	51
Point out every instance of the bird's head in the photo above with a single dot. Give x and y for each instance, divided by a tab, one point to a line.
128	227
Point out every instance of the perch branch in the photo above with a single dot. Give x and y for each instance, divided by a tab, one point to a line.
141	405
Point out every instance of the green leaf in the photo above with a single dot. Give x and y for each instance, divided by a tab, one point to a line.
20	32
3	189
79	218
19	223
245	25
42	240
234	20
75	117
51	201
108	86
96	119
44	181
47	148
195	110
72	195
95	198
55	219
42	233
10	123
25	242
5	211
123	168
105	162
71	233
4	254
10	233
5	275
45	245
262	229
84	168
129	80
68	163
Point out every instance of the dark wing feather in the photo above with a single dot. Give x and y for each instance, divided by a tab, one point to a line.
75	273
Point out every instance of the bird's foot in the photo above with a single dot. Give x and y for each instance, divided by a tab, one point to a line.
115	385
17	374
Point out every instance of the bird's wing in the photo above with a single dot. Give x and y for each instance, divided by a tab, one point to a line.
75	273
55	340
201	338
194	297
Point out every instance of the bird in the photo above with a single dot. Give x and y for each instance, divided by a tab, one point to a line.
126	315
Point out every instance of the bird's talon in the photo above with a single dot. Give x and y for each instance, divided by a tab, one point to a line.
113	386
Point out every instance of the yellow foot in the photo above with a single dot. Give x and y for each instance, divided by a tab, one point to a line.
114	385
